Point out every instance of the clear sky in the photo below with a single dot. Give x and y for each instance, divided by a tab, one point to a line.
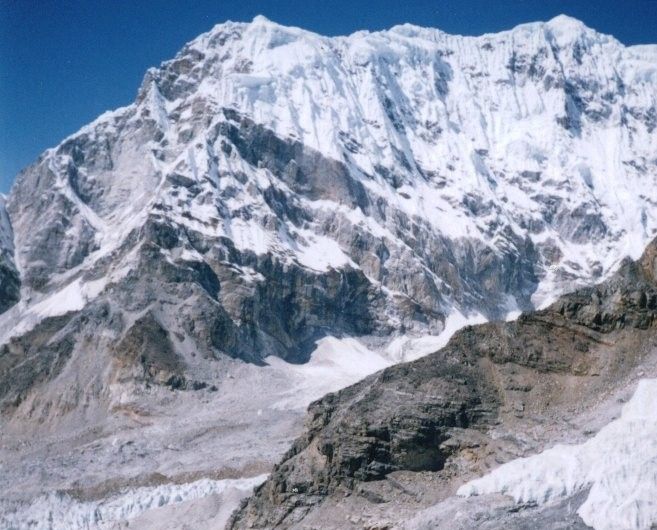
64	62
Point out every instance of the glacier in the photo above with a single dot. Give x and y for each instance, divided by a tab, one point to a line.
61	511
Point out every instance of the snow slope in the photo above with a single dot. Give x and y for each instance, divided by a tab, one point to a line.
619	465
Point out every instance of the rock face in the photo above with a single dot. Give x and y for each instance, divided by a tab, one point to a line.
9	278
443	413
270	187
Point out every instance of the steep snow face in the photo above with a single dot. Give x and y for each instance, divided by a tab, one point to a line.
496	170
545	131
619	465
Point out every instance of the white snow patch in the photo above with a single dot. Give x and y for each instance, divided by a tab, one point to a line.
334	364
321	253
70	298
249	235
512	315
619	465
405	348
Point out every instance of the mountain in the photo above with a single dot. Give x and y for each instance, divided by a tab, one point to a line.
392	450
279	214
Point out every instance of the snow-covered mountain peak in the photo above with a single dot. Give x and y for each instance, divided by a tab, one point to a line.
263	20
263	31
435	149
566	24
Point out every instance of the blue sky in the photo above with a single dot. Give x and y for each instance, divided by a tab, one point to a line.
64	62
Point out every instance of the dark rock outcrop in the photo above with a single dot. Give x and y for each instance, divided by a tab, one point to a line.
9	278
9	285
